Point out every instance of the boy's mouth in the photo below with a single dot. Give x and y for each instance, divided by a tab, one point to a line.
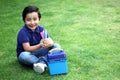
32	26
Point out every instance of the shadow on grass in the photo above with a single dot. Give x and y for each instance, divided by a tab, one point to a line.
13	70
25	68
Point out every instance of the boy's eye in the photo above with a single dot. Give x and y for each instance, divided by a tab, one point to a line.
28	19
35	19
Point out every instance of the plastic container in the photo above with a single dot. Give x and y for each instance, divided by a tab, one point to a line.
57	62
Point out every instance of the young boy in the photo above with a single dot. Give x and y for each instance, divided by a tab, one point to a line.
30	49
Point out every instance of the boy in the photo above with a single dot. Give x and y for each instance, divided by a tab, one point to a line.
30	50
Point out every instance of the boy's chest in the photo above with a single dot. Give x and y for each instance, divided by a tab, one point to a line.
34	38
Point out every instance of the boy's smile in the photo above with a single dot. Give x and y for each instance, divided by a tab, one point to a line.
32	20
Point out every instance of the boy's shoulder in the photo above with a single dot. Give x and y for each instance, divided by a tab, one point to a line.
40	28
23	28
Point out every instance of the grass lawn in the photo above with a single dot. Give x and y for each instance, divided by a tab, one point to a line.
88	30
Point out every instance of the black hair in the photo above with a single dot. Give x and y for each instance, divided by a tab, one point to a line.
30	9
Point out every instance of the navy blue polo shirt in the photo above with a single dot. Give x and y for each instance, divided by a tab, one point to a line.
27	35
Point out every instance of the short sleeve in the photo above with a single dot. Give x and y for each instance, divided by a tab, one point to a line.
23	37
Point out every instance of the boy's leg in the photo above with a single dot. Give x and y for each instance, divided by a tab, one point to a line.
44	51
56	45
27	58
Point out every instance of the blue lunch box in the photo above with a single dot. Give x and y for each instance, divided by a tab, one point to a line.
57	61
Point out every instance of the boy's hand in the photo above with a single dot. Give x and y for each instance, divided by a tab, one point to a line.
47	43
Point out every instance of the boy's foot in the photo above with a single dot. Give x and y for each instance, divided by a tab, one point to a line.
39	67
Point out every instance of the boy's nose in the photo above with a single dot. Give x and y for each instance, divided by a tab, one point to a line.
32	22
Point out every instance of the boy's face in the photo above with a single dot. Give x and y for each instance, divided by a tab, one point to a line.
32	20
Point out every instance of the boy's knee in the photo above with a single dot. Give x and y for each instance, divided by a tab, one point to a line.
56	45
24	55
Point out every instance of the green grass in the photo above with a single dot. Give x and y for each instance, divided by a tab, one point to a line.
88	30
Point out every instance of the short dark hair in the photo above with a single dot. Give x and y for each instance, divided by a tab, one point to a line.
30	9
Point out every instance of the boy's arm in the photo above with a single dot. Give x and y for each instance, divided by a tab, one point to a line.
27	47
